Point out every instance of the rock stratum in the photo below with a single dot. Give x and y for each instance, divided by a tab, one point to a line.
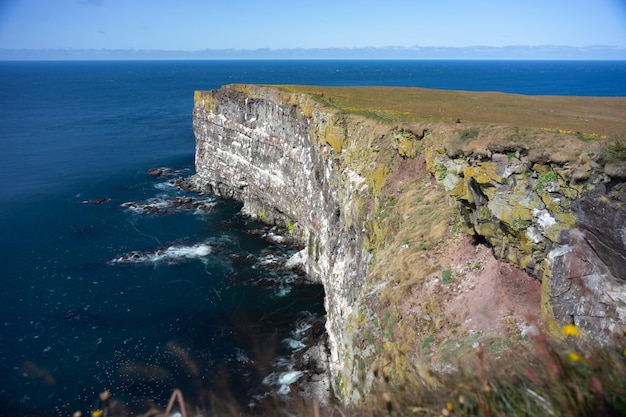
429	233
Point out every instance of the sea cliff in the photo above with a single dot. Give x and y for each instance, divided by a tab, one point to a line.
428	234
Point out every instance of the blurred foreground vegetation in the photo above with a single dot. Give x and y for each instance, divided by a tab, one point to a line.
538	377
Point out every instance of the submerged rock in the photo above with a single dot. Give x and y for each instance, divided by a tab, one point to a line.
162	172
169	205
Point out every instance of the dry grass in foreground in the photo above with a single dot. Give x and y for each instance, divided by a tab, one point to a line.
545	378
540	378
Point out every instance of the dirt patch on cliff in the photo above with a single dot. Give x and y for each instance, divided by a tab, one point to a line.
491	296
443	293
470	298
406	170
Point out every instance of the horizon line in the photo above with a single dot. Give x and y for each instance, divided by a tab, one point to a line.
477	52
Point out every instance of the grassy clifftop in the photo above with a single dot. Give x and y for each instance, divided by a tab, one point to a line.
558	128
591	116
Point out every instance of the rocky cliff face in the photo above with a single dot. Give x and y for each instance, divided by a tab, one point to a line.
273	153
349	189
561	222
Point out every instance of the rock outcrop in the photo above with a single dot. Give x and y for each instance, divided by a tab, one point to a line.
348	187
541	216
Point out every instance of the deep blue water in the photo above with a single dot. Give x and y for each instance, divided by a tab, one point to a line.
96	294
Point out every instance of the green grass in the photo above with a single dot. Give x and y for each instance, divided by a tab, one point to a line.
521	224
441	171
545	179
426	342
617	150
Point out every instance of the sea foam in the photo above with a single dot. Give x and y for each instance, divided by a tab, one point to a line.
170	255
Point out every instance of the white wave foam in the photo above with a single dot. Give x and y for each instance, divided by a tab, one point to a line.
298	339
271	259
283	380
295	344
166	186
152	204
288	378
276	238
302	327
241	356
282	291
171	254
165	204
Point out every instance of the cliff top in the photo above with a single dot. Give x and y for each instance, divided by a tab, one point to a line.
590	116
561	129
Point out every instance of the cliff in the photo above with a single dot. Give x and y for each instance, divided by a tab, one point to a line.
431	230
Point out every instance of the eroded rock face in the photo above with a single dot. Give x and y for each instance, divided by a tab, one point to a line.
324	176
257	147
589	271
601	214
566	226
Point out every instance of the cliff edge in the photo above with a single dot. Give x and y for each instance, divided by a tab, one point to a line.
435	220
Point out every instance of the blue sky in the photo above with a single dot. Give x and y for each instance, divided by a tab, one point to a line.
250	24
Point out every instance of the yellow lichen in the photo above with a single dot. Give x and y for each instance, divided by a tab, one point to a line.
547	313
482	173
334	139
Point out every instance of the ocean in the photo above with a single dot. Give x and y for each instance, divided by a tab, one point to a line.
115	279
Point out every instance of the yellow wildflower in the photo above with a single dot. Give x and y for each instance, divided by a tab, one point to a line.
574	357
571	330
449	406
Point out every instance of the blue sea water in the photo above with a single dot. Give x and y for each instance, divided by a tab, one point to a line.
100	294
